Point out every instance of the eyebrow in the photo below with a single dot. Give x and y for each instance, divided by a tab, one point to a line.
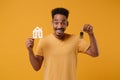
57	20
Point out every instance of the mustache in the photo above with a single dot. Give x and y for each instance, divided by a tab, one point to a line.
60	29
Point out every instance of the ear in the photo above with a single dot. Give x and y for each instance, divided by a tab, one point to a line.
67	23
52	23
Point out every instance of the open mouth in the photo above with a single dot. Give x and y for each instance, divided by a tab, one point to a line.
59	32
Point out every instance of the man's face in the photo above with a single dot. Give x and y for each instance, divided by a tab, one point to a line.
59	25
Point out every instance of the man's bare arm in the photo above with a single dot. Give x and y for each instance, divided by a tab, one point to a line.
36	61
93	49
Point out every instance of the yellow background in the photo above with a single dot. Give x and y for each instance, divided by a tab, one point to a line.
19	17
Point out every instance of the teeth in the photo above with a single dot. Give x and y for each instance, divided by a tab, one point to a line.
59	31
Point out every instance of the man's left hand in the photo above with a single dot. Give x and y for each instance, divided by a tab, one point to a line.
88	28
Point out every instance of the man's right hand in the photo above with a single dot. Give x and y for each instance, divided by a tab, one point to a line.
30	43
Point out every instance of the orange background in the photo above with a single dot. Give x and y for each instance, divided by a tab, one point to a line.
19	17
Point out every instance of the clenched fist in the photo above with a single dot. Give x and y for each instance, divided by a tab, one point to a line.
30	43
88	28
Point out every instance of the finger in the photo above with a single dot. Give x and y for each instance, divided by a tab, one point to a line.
88	27
84	27
91	28
29	42
30	39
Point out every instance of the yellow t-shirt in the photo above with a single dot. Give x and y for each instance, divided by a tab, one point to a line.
60	56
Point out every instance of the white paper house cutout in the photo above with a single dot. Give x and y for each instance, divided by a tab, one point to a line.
37	33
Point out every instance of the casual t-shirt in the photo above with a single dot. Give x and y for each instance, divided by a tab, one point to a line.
60	56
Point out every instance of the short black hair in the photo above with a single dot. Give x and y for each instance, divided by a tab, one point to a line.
62	11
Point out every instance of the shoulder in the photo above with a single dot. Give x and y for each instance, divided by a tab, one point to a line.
45	38
70	35
74	36
77	38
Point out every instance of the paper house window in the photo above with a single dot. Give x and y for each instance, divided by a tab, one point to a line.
37	33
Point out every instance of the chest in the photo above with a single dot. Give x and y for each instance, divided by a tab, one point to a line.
60	48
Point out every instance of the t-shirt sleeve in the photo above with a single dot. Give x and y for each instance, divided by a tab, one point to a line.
39	48
82	46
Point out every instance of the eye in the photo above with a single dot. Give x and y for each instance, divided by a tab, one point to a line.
63	23
56	23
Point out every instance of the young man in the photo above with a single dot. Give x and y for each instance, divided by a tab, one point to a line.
59	50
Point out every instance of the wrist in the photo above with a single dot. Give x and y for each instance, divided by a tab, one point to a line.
30	50
91	34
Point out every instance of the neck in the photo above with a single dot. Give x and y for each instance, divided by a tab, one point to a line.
60	37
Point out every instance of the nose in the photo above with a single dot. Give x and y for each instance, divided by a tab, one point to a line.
60	25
